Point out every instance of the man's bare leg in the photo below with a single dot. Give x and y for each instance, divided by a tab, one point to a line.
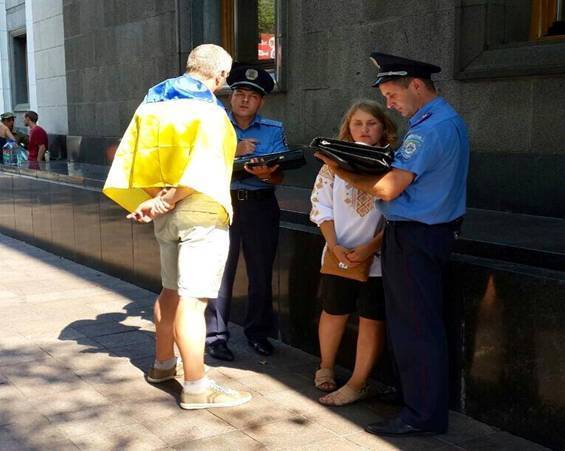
164	314
199	392
190	336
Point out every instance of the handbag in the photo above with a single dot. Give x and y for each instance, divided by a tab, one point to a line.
353	157
330	265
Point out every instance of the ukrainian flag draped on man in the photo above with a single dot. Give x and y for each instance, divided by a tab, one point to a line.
172	140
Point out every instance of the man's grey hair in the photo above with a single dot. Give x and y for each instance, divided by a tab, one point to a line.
209	61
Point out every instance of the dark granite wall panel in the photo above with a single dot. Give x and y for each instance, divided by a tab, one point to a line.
517	183
110	63
146	265
7	217
116	239
87	226
299	263
23	203
62	220
41	213
514	343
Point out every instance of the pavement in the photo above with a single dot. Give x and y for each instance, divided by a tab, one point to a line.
75	344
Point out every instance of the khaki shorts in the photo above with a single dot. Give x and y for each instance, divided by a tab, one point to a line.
194	244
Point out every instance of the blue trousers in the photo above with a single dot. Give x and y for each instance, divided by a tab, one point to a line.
255	229
414	257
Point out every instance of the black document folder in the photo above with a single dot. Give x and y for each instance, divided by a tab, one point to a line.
354	157
289	159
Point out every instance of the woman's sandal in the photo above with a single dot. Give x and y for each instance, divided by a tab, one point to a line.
324	380
345	395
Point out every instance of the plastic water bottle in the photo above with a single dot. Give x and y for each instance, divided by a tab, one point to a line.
46	156
9	152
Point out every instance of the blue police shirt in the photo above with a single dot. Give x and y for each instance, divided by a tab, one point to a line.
436	150
271	138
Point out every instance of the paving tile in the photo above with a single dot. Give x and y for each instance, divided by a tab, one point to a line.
341	420
303	402
125	390
298	431
159	407
95	420
257	412
500	441
125	338
132	437
21	354
328	445
369	441
188	425
15	407
272	383
33	432
462	428
234	441
106	326
84	398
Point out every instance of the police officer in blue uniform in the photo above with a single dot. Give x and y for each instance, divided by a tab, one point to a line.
255	226
423	201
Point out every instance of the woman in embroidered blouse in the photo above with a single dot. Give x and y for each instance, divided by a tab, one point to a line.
348	221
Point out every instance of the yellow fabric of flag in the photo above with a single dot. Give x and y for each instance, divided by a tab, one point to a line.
176	143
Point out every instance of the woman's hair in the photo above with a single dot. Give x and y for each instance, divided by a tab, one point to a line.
374	109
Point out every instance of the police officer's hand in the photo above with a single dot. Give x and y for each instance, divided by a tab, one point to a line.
262	172
341	253
328	161
246	146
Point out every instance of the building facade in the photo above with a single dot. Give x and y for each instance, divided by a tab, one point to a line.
85	65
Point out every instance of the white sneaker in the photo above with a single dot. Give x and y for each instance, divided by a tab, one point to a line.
214	396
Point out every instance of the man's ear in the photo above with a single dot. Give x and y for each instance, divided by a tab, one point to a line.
417	84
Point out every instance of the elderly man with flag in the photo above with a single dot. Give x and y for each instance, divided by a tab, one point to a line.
173	166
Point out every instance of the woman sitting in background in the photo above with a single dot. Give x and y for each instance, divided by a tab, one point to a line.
348	220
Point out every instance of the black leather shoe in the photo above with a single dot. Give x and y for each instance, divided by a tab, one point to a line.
395	427
219	350
261	346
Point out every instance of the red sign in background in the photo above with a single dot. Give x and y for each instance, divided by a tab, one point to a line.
266	48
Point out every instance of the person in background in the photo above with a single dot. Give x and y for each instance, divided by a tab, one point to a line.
5	134
256	217
348	219
9	120
38	140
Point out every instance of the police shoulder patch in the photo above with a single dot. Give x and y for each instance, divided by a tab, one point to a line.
410	146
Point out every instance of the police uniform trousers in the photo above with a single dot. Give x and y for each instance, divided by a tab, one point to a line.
414	258
255	229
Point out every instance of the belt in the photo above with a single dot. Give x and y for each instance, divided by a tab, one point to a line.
248	194
453	225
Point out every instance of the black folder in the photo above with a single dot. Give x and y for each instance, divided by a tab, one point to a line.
288	159
353	157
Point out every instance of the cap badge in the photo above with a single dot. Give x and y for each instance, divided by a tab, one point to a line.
251	74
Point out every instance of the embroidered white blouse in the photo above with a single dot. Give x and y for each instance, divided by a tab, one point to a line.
353	212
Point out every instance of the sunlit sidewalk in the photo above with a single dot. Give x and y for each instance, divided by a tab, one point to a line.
75	343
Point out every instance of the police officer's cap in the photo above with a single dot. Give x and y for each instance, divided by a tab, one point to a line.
392	67
7	115
253	78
